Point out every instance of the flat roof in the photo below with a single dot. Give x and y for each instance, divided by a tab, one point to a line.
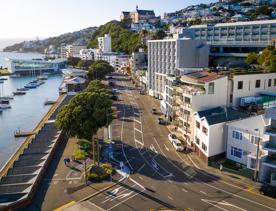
242	23
219	114
202	76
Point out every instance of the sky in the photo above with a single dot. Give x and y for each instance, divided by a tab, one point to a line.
46	18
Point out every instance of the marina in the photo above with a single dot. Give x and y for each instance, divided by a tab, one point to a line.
22	111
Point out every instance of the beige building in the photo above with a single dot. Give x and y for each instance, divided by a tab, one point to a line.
138	15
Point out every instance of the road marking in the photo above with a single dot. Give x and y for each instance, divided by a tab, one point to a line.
232	194
166	147
224	203
184	190
139	142
170	181
111	196
153	149
138	130
137	121
89	202
203	192
141	178
170	197
141	167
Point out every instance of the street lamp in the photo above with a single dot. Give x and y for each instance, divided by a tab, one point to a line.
257	156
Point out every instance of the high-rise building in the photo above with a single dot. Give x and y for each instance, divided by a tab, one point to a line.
105	43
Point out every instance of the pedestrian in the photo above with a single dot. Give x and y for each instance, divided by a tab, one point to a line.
65	161
68	160
175	128
221	167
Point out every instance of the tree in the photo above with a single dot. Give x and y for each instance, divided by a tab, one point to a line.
273	63
84	115
99	70
73	61
97	87
252	58
159	35
85	64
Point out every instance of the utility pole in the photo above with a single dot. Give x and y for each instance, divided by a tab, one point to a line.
257	157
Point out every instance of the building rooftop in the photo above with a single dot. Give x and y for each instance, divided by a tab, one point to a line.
201	77
243	23
219	114
145	12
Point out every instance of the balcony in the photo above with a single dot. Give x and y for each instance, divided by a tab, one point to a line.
270	146
194	90
270	161
270	130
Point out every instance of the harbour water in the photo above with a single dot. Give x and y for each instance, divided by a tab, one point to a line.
26	111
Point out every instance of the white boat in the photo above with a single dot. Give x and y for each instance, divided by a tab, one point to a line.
4	104
42	77
7	97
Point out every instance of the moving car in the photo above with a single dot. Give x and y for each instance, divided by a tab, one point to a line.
177	145
162	121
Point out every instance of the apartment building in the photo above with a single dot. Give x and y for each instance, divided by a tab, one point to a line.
231	42
87	54
71	50
191	93
245	85
105	43
165	56
268	167
209	136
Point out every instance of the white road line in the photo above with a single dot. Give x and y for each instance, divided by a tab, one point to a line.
241	197
203	192
184	190
137	121
166	147
170	181
112	197
89	202
170	197
139	142
206	201
138	130
141	167
141	178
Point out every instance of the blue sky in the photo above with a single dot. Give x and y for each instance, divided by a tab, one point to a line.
44	18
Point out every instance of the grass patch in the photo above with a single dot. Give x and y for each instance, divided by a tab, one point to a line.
79	154
101	172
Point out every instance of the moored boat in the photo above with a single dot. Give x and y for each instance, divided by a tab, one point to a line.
22	89
19	93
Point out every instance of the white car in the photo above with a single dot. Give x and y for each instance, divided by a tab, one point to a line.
172	137
178	145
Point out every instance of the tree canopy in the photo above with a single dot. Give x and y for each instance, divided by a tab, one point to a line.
85	64
99	69
85	114
73	61
122	39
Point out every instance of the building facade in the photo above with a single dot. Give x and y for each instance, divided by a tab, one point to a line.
165	56
105	43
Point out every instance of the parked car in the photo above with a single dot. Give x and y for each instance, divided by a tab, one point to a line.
153	111
172	137
114	97
162	121
268	190
177	145
141	92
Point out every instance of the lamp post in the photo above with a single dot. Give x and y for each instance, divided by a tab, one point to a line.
257	156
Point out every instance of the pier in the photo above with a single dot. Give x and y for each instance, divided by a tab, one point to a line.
19	134
20	177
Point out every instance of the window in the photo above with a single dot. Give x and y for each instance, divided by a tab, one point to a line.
204	147
253	163
197	140
274	83
240	85
197	124
258	84
205	130
211	88
269	82
237	135
236	152
255	139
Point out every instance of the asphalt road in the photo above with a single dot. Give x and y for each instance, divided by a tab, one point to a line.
162	177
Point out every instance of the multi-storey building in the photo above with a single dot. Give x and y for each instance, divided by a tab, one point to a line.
165	56
234	40
138	15
105	43
71	50
87	54
268	167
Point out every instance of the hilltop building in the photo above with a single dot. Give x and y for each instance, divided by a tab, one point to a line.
138	15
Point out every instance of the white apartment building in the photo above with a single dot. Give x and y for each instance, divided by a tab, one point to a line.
209	135
242	137
87	54
105	43
191	93
165	56
245	85
71	50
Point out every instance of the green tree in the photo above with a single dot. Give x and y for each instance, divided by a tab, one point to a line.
84	115
85	64
99	70
159	35
97	87
273	63
252	58
73	61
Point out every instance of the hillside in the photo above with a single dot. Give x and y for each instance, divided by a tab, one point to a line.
122	39
53	43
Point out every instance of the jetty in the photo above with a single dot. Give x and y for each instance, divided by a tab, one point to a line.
19	134
23	172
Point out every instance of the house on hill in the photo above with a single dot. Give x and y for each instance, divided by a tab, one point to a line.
138	15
